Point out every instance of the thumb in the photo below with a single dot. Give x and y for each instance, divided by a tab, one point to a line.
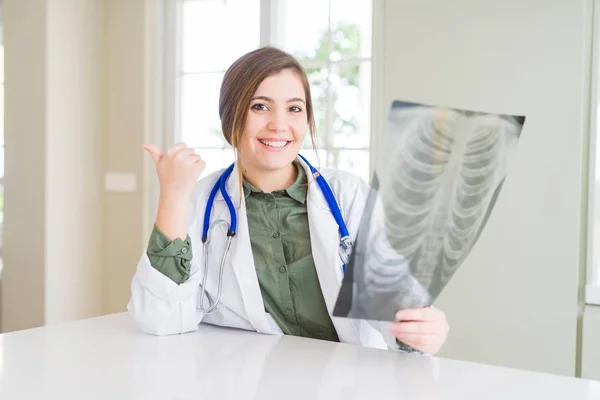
154	152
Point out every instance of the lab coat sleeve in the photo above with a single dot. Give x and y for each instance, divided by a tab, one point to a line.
160	306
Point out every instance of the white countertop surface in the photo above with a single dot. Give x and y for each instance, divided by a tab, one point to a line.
109	358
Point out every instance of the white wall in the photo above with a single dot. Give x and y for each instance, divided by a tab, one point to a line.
75	130
127	114
23	283
55	146
76	79
515	302
590	361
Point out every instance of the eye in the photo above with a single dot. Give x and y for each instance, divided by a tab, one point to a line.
259	107
295	109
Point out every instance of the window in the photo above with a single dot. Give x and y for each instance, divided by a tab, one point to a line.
331	39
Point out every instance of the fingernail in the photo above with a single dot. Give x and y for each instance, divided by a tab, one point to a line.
400	314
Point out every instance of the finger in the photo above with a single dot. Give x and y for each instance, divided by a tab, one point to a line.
420	314
185	152
201	164
424	344
193	159
197	159
419	340
413	327
176	148
154	152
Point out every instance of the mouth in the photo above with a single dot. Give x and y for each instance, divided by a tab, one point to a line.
275	144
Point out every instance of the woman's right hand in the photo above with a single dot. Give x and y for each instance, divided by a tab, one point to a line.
178	169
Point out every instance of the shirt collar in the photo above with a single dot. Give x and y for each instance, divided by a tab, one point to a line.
296	190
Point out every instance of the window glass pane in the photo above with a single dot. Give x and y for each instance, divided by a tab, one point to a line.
200	122
351	29
318	80
355	161
351	98
302	28
217	32
215	159
318	159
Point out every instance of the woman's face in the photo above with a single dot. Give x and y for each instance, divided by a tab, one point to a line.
276	124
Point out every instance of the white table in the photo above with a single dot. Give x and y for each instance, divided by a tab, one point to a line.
108	358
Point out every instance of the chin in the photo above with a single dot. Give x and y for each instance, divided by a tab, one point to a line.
274	162
274	166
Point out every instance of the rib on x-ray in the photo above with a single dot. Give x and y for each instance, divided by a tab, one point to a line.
438	176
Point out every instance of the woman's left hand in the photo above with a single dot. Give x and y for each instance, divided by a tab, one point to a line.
424	329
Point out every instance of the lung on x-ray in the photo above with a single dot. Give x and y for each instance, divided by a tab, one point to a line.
435	183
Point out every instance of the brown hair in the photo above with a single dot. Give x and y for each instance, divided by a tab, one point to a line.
241	82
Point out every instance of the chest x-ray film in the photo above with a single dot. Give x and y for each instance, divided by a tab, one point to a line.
436	180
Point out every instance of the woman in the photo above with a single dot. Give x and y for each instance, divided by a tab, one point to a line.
282	273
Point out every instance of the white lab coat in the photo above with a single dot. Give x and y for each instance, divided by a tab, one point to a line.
161	307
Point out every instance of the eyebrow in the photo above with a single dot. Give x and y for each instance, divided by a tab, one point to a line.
265	98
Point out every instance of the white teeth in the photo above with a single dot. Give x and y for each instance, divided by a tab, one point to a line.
273	143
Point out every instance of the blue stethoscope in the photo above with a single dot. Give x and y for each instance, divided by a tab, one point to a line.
344	251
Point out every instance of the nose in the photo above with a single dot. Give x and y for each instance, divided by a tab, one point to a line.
278	122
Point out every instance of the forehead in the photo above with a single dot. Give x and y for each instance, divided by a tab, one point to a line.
283	84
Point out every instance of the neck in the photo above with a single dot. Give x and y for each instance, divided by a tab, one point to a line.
269	181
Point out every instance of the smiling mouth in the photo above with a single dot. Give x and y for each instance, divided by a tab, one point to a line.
275	143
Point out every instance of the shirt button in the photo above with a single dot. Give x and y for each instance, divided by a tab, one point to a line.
184	250
270	199
282	269
288	311
276	235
